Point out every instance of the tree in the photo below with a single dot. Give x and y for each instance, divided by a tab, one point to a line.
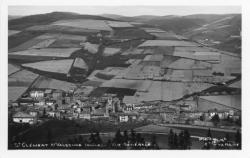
187	140
207	142
227	137
209	133
44	112
171	139
238	139
181	140
98	139
153	142
215	119
118	137
92	139
109	144
176	142
125	137
132	136
49	136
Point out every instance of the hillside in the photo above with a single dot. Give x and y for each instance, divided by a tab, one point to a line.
223	33
44	19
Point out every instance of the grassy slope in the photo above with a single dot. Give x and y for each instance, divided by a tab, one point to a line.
43	19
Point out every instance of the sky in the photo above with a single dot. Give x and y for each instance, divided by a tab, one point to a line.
125	10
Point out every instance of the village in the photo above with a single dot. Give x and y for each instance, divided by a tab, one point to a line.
124	74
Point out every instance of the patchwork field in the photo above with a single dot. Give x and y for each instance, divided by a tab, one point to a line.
51	40
84	23
15	92
22	78
56	66
168	91
26	45
12	32
49	83
117	24
62	29
61	36
233	101
110	51
49	52
184	64
80	63
12	69
43	44
167	43
225	66
153	30
18	83
140	85
92	48
65	43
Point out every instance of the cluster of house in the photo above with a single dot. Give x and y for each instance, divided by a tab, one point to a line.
195	110
57	104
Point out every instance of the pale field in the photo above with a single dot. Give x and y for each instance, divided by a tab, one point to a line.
15	92
61	28
133	51
112	70
92	48
168	43
44	44
12	68
13	32
50	52
236	84
92	77
56	66
183	63
84	23
111	51
80	63
22	78
49	83
227	64
169	91
45	40
233	101
153	30
140	85
26	45
119	24
62	36
193	49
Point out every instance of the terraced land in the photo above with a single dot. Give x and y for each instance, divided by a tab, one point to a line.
19	82
84	23
49	83
55	66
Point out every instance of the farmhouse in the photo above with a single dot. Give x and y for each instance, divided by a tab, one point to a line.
22	117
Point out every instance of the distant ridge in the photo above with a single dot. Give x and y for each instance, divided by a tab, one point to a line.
44	19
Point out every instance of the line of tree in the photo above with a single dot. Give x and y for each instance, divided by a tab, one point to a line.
179	141
122	140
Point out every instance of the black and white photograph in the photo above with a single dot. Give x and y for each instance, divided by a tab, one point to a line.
124	77
147	79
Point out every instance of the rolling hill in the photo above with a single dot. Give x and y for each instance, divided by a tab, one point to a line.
44	19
